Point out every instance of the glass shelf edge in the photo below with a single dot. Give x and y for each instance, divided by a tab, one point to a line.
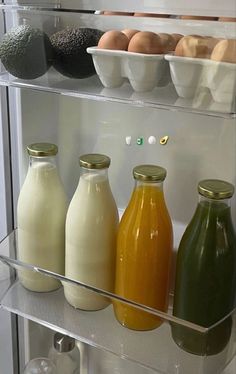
131	7
55	327
167	317
135	103
39	307
31	7
16	264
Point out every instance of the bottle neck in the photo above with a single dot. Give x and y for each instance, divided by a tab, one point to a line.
44	160
140	184
103	173
206	201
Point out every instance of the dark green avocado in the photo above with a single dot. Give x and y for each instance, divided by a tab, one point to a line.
26	52
69	47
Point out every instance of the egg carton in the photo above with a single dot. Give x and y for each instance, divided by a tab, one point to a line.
143	71
190	75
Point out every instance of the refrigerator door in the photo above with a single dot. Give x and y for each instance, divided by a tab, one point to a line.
77	126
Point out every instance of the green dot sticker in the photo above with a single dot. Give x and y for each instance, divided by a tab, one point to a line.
139	141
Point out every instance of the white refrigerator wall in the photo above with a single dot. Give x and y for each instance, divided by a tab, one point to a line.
198	147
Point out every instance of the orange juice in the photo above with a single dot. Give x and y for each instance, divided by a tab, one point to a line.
144	251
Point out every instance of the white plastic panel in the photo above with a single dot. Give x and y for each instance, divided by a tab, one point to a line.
199	147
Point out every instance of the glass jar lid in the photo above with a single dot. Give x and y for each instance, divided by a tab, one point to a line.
215	189
149	173
42	149
94	161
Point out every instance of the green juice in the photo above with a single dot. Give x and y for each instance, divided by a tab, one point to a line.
206	279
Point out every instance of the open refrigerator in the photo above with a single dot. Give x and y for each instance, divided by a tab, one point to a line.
82	116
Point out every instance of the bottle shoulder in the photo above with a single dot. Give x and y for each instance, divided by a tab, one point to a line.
66	362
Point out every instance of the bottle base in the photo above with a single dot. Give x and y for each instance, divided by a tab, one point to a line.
134	319
138	328
84	299
36	284
203	344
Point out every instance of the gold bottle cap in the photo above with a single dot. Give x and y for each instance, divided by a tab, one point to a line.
42	149
215	189
94	161
149	173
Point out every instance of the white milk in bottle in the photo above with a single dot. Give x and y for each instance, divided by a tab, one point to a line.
91	228
41	213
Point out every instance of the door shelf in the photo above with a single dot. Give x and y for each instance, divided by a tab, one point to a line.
204	8
153	349
204	88
91	88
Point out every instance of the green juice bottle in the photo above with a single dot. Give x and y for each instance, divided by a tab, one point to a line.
206	272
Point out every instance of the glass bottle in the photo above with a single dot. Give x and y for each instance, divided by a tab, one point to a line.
91	229
40	365
144	250
41	214
206	271
65	355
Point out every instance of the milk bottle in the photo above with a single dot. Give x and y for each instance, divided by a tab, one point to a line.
41	213
91	227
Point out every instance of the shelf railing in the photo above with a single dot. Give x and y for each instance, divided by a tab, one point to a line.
154	349
201	8
92	89
206	96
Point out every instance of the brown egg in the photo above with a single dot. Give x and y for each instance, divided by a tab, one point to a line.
151	15
227	19
225	51
195	46
202	18
113	39
212	43
168	42
177	37
129	32
146	42
108	13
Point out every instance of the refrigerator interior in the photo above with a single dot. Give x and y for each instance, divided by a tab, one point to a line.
199	145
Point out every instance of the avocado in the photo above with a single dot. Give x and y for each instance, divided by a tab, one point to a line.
26	52
69	47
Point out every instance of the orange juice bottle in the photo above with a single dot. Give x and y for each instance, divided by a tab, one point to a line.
144	251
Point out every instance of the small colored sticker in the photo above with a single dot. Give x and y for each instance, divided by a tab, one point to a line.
128	140
139	141
164	140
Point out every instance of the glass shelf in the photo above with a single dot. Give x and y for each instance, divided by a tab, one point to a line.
202	7
199	87
153	349
91	88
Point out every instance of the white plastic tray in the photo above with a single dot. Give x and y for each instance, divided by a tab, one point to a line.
221	80
144	71
190	75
